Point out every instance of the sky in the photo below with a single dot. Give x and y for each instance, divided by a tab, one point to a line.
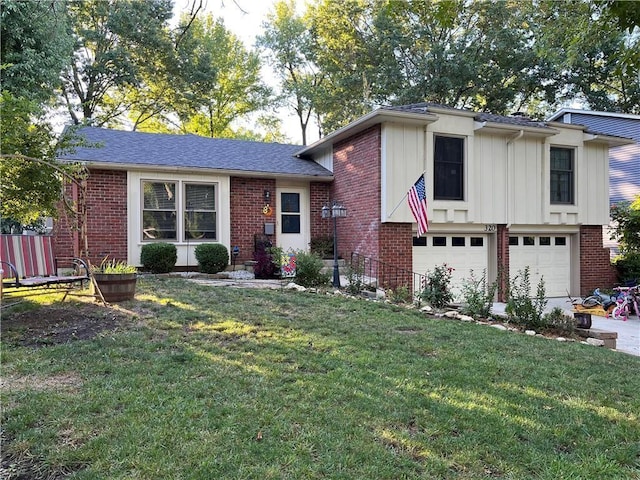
244	18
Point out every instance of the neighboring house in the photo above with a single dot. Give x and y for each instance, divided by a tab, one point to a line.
624	161
503	193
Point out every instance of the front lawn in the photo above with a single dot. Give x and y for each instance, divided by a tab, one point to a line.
197	382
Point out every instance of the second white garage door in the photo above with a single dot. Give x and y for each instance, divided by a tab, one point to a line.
547	257
461	252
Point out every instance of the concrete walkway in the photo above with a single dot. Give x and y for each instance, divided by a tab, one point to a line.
628	331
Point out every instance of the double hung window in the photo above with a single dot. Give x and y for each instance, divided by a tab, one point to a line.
167	215
448	168
562	176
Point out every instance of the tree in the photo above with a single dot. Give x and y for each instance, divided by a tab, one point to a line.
287	38
214	82
626	229
115	41
35	47
30	189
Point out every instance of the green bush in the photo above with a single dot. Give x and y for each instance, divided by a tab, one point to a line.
436	290
477	296
628	268
159	257
308	270
322	246
212	257
521	308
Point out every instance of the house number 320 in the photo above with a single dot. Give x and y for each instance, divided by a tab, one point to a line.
490	227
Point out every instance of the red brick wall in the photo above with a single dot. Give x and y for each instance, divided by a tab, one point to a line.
319	194
396	251
596	270
247	219
106	219
502	237
357	184
356	167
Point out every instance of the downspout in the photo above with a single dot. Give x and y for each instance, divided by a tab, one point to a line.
511	153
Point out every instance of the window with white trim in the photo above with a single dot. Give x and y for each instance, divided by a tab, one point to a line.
448	168
561	175
159	214
200	211
191	215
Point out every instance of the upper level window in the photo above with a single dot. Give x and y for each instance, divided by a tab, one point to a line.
448	168
562	172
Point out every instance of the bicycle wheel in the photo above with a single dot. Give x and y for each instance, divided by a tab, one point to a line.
591	302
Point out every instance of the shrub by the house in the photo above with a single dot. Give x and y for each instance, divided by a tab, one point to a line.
309	270
159	257
212	257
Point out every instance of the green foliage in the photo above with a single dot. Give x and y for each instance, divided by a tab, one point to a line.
628	267
113	266
356	283
288	40
158	257
30	176
322	246
436	290
478	296
521	308
558	321
120	42
212	257
36	46
626	225
309	270
400	294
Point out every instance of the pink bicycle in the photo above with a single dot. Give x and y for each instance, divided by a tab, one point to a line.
625	302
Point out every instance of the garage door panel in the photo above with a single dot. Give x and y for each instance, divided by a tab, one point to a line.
460	252
548	258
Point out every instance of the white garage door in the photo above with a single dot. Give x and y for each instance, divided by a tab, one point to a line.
547	257
461	252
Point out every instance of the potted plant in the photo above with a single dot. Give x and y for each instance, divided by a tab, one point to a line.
115	279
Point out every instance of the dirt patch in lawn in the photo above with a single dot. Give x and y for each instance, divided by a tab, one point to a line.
61	323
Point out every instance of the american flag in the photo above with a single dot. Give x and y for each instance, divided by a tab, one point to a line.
417	198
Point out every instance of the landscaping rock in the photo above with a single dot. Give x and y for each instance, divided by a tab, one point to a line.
499	327
451	314
295	286
465	318
531	333
596	342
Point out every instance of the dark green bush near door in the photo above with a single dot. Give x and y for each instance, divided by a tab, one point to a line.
212	257
159	257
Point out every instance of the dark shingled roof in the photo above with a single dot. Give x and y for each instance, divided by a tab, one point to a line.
520	120
120	147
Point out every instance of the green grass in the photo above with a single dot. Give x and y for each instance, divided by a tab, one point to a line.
223	383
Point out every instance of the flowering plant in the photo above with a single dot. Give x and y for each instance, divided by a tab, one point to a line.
435	286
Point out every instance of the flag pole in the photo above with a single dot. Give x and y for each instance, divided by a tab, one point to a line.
403	199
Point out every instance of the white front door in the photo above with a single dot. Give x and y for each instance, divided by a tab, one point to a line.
292	219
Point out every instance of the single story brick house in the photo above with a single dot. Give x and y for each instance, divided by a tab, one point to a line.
503	193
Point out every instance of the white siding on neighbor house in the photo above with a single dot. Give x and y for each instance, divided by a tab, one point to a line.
185	250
